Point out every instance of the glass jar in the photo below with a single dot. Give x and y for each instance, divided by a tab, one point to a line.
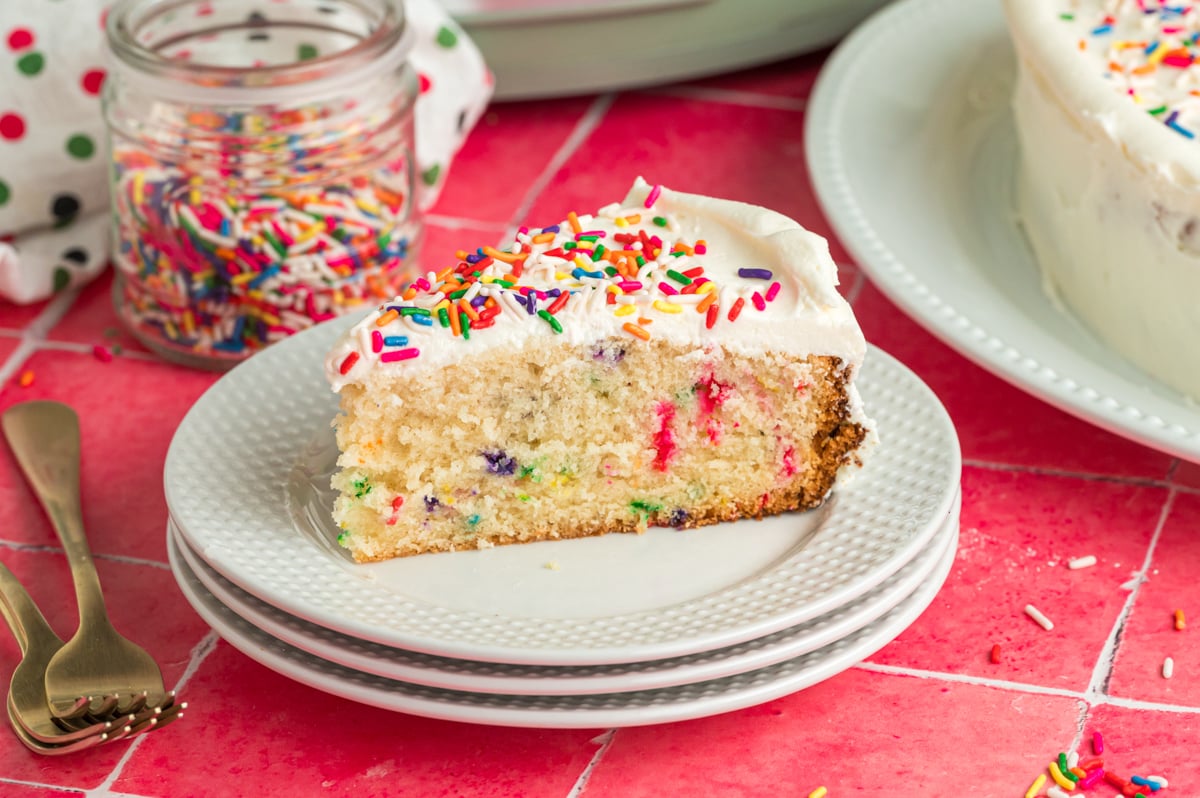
263	169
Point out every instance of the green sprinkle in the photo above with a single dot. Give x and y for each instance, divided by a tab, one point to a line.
641	261
343	537
524	497
1066	17
645	506
430	175
503	283
306	52
411	311
589	239
553	322
1156	111
677	253
1064	767
443	317
473	520
465	321
611	271
599	252
682	279
661	221
446	37
459	294
362	487
383	240
569	245
62	279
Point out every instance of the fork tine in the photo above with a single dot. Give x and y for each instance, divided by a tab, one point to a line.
82	705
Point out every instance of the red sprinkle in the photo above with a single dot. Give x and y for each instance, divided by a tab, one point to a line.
557	304
694	272
348	363
1097	743
736	310
773	291
376	341
1114	780
759	302
710	318
399	354
102	354
995	655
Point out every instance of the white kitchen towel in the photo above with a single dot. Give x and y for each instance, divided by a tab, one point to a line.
54	226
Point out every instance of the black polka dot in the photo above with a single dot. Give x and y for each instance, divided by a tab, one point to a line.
65	207
259	37
327	9
462	120
76	255
256	20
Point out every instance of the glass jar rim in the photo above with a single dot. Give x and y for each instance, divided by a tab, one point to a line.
384	48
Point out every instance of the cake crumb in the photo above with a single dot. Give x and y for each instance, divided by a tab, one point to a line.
551	565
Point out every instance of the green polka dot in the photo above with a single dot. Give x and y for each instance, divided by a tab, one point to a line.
81	146
5	192
430	175
31	64
62	278
446	37
306	52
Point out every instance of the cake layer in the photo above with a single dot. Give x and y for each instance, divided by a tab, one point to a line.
561	440
1108	187
673	360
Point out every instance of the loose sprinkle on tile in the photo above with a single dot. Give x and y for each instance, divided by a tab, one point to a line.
1036	787
1168	668
994	657
1082	562
1180	621
26	378
820	792
1036	614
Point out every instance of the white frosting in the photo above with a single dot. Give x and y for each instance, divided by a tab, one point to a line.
806	316
1109	192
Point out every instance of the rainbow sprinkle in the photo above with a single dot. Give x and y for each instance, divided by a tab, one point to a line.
638	269
1147	50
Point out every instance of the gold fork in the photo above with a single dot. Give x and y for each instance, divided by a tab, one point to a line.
97	670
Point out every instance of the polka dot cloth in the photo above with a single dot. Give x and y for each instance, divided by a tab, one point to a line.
53	163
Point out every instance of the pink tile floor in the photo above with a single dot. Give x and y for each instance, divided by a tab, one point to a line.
930	714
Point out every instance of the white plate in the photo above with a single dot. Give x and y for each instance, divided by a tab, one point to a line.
635	708
246	481
488	677
915	170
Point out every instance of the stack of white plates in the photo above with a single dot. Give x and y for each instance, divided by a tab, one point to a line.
618	630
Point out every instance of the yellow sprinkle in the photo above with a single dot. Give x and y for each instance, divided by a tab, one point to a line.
1059	778
706	288
620	222
820	792
667	307
581	263
244	277
625	310
189	323
139	185
445	303
1036	786
269	318
561	276
613	288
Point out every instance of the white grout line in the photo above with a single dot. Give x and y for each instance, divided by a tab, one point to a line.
1102	673
1087	698
55	309
583	128
605	740
16	358
1148	482
731	97
200	653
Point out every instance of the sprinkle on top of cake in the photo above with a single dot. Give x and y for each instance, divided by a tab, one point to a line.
630	267
1149	50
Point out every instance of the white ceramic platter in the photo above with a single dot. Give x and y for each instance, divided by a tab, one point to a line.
571	711
489	677
246	482
914	165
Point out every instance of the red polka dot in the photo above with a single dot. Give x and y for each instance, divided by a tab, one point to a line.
425	82
20	38
12	127
92	81
104	19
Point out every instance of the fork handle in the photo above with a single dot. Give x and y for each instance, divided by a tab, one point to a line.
44	436
24	618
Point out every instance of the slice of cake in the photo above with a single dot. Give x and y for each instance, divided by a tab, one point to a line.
1107	108
674	360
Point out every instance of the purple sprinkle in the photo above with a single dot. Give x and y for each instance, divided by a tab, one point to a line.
520	299
756	274
679	517
474	258
609	352
554	292
531	304
551	229
499	463
431	504
478	300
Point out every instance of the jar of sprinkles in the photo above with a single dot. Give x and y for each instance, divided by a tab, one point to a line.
262	168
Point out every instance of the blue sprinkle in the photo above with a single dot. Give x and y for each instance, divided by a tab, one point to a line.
1102	29
395	340
424	321
578	272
